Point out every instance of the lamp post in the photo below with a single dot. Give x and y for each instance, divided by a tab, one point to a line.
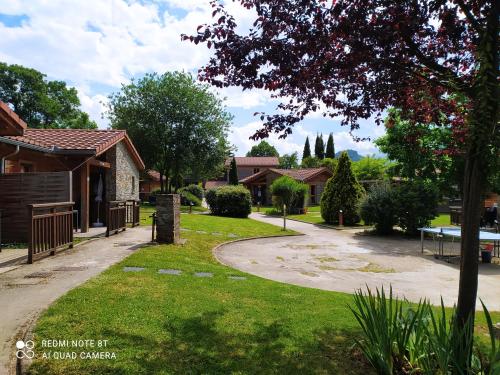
341	218
284	216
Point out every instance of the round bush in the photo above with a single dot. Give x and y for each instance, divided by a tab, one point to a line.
188	199
286	190
379	207
417	202
230	200
196	190
342	192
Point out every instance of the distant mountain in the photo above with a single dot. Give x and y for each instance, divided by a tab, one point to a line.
353	154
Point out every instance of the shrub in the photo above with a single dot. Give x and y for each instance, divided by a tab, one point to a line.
417	201
196	190
342	192
379	208
188	199
286	190
402	339
230	200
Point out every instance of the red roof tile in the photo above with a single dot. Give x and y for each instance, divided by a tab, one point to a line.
214	184
61	140
254	161
303	174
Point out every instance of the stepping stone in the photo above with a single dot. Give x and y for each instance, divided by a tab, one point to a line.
201	232
237	277
170	272
204	274
185	230
133	269
216	234
232	235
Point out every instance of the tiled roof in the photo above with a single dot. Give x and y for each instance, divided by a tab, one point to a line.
302	174
65	140
214	184
10	122
254	161
71	139
154	175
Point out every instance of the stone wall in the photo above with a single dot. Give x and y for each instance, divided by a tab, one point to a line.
168	218
122	179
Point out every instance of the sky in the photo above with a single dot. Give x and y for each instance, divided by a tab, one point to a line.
98	45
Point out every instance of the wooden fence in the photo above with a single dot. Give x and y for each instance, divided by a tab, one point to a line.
116	217
50	229
455	215
133	212
18	190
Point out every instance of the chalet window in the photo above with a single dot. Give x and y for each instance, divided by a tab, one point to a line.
313	194
133	184
256	170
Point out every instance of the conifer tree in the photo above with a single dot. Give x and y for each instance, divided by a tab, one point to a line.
330	148
233	173
319	147
342	192
307	150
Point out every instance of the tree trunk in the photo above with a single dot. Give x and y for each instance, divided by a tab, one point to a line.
162	184
483	146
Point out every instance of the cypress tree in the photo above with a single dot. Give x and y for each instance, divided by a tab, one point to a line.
342	192
233	173
307	150
330	148
319	147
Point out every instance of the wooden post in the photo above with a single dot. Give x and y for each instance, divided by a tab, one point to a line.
108	218
53	231
284	217
30	234
84	192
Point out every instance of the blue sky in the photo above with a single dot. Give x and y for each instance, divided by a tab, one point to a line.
97	45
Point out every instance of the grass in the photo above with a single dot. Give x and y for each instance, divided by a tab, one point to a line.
148	209
164	324
443	220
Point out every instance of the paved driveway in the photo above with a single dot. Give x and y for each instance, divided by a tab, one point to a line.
31	288
345	261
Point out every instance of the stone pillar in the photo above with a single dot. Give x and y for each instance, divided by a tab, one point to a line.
168	218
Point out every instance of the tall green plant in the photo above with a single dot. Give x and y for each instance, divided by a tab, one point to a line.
288	191
233	173
342	192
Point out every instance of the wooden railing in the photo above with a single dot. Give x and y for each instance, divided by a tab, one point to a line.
50	228
455	215
133	212
116	217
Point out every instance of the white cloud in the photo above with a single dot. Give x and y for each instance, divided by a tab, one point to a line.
295	142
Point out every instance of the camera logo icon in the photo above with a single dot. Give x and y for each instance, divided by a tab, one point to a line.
25	349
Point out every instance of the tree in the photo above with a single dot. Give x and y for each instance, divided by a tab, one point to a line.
329	163
178	125
370	168
263	149
40	102
307	150
289	161
233	173
311	162
330	148
290	192
356	59
319	147
342	193
420	151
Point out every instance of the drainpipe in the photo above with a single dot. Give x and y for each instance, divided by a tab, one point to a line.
4	158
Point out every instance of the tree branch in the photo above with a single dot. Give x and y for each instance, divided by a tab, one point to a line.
470	17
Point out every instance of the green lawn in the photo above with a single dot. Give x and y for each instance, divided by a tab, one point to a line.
147	210
443	220
165	324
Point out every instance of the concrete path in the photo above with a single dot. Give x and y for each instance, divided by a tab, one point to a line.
29	289
346	260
